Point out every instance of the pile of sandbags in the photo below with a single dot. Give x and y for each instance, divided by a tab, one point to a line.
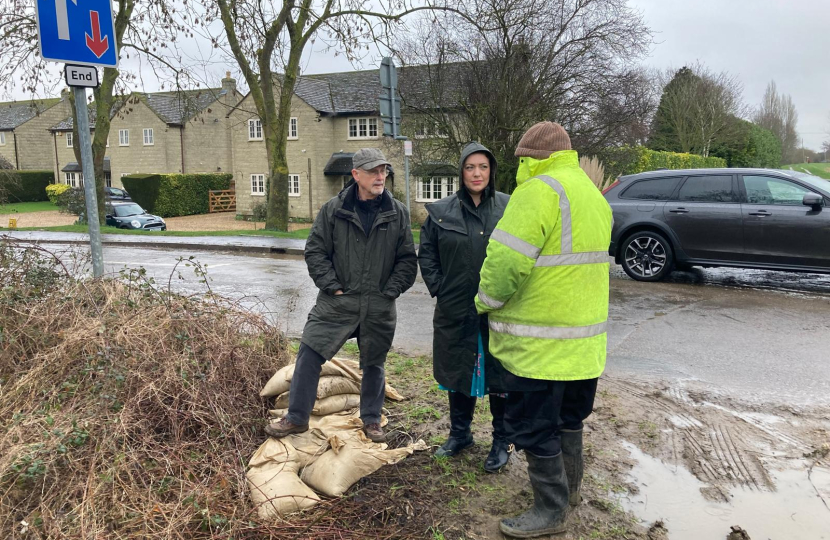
338	390
330	457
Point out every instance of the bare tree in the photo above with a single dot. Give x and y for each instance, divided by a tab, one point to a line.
147	29
697	109
267	38
778	114
522	61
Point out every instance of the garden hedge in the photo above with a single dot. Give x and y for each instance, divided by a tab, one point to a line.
636	159
27	186
170	195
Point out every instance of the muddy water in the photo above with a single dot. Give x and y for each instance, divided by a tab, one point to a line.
796	511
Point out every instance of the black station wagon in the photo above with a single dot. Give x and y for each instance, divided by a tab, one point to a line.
749	218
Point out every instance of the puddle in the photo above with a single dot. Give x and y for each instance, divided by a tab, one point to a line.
672	493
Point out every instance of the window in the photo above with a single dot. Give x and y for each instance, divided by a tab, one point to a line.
293	132
429	129
433	188
148	137
74	178
108	142
2	139
293	185
123	137
257	184
710	189
655	189
254	129
69	140
363	128
108	179
768	190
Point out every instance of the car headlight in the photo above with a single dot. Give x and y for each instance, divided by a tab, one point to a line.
135	224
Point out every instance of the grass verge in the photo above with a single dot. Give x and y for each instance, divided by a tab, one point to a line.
26	207
818	169
301	233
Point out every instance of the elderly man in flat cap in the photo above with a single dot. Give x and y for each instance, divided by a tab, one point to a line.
361	256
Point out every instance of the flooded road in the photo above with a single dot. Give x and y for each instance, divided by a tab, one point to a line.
758	335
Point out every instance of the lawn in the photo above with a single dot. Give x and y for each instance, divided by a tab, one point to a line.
26	207
818	169
301	233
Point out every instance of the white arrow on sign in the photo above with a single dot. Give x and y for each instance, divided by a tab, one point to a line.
63	18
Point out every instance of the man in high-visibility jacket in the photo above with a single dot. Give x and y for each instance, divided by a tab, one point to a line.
544	286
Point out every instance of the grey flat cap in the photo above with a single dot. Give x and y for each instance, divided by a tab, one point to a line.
368	158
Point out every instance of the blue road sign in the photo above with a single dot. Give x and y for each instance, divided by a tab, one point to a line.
77	31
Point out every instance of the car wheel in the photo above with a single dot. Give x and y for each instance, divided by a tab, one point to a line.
647	256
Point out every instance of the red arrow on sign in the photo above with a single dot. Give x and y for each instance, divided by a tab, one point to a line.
95	44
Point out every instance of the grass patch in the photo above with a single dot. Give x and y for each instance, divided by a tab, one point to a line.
301	233
27	207
819	169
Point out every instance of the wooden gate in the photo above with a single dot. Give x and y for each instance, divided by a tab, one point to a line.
222	200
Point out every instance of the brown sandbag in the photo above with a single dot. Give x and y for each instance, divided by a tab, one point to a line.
277	491
296	451
339	468
335	404
328	386
281	381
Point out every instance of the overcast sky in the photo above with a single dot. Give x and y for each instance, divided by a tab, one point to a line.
757	40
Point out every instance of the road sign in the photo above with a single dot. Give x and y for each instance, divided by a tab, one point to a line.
77	31
86	76
390	103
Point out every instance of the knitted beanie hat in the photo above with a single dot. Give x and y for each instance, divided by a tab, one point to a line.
543	139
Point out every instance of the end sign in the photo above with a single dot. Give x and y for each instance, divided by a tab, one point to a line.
77	31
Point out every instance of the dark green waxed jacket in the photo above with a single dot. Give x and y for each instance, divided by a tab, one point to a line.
371	271
453	245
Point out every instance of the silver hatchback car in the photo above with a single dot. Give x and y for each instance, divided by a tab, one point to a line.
749	218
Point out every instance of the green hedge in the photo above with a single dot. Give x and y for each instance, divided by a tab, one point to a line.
27	186
636	159
170	195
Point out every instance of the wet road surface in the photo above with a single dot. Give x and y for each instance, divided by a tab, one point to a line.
761	336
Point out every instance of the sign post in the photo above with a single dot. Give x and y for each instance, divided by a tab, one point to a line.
83	36
390	113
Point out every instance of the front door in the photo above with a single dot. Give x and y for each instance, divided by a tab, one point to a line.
706	218
778	228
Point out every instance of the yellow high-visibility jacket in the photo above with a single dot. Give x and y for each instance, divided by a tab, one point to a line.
544	283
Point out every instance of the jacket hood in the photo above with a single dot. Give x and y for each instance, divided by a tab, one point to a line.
475	148
531	167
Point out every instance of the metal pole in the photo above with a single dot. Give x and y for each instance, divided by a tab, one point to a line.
406	175
89	182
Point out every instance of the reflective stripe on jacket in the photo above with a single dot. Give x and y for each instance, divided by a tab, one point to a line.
545	280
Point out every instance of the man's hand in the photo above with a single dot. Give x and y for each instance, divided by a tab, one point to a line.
338	292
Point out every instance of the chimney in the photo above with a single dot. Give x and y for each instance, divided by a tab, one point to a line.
228	83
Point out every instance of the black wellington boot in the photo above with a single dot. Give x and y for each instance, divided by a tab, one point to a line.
572	457
501	449
461	416
550	500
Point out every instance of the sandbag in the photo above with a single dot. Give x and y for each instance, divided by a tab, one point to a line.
281	381
296	450
338	469
328	386
277	491
335	404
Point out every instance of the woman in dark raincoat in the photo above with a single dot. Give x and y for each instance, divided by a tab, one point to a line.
452	249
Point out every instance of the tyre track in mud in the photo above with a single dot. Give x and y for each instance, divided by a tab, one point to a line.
718	445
